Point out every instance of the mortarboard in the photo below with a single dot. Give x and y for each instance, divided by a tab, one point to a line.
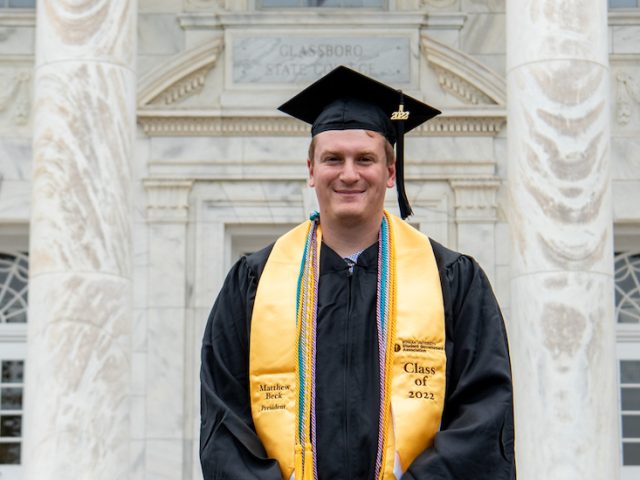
345	100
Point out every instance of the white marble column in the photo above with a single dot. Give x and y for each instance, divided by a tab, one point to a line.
78	360
562	322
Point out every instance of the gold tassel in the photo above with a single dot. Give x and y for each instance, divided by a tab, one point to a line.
298	461
308	462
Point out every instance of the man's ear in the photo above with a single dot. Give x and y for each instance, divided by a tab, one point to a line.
392	175
310	181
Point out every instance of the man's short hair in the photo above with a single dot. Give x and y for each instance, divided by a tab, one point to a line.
388	148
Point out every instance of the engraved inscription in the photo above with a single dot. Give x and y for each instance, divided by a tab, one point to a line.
295	59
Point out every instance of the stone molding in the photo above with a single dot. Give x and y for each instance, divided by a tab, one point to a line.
445	21
179	78
624	16
195	5
18	17
459	87
295	19
627	333
243	7
475	199
454	122
463	76
13	333
436	3
167	199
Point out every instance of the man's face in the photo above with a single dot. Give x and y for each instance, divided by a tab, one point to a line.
350	174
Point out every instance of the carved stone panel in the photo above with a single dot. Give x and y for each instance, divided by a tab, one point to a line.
286	58
15	96
627	98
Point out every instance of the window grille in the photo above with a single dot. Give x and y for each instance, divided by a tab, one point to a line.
627	278
14	270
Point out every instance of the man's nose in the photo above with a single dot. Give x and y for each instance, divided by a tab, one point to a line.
349	172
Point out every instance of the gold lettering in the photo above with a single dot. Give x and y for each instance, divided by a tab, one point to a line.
271	388
400	114
415	367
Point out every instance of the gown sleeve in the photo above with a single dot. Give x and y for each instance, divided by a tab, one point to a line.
229	446
475	440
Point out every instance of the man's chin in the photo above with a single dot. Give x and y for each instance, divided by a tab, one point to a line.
350	215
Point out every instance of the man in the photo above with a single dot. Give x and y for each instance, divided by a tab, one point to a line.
355	347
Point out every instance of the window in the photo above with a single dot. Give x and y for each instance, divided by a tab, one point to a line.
14	276
11	387
321	3
627	298
629	377
17	3
247	239
630	409
12	363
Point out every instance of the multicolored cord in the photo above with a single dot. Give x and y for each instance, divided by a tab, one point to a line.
385	320
307	308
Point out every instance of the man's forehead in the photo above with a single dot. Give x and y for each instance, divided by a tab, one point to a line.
357	139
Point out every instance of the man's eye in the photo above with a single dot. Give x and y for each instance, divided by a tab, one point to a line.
366	160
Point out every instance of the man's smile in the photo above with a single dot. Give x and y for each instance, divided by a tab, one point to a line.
349	191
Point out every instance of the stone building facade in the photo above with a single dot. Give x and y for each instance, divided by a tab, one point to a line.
141	154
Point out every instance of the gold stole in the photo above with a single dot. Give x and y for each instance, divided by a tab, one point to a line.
419	361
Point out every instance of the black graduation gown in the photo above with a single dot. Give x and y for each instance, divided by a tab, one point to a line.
475	441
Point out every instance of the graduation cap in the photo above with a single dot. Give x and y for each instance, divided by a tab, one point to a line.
346	100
